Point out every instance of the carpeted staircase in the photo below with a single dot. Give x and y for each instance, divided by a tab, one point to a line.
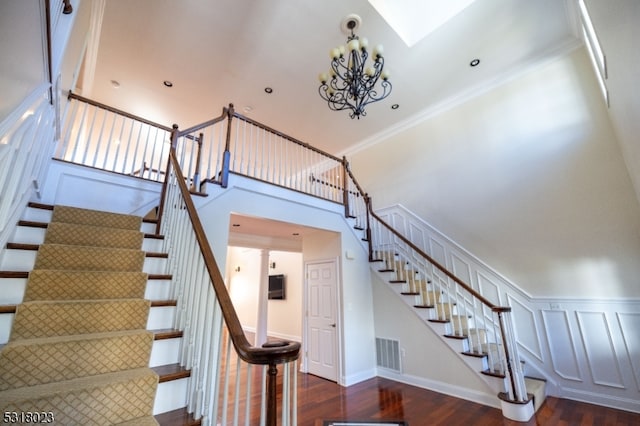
79	348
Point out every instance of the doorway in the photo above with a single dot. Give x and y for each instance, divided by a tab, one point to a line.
321	331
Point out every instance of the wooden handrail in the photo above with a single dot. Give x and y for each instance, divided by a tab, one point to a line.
117	111
442	269
271	355
353	178
187	132
285	136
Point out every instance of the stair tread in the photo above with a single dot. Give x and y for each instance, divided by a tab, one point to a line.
171	372
40	206
14	274
33	224
177	417
140	421
166	333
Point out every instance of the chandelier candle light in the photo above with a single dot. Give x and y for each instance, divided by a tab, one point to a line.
350	84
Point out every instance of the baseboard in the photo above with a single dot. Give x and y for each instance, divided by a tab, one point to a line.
358	377
610	401
440	387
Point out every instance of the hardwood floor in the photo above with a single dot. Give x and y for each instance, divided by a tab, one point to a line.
381	399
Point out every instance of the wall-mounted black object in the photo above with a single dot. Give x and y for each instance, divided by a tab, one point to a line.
276	287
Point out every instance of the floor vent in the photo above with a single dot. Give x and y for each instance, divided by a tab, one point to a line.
388	354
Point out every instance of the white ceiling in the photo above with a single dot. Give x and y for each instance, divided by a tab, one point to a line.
222	51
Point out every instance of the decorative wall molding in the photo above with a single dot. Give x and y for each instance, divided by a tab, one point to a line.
587	349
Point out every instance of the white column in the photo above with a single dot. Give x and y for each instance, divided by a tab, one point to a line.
263	299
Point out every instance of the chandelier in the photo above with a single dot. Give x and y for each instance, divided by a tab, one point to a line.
350	84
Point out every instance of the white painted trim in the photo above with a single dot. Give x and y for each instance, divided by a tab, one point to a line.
627	404
444	388
361	376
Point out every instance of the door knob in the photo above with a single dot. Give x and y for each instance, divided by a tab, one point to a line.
333	325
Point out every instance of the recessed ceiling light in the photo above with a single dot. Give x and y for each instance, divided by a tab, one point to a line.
268	89
167	83
395	106
475	62
247	109
115	84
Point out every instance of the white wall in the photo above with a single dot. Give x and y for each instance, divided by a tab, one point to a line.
284	318
79	186
22	68
528	177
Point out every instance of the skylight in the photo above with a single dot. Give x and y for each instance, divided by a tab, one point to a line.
413	20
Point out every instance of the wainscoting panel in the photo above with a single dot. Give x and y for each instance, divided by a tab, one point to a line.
630	327
488	288
437	251
587	349
461	268
561	345
527	332
599	349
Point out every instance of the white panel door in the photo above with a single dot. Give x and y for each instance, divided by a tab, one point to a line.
322	320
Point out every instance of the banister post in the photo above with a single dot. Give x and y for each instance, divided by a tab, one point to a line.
367	203
195	184
226	157
163	194
516	378
345	190
272	400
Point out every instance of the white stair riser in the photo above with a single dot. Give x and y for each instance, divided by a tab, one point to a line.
171	396
6	321
28	235
158	290
165	352
12	290
155	265
18	260
161	317
38	215
152	245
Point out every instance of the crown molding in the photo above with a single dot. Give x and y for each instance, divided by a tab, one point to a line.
559	51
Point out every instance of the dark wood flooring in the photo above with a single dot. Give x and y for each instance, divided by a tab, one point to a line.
381	399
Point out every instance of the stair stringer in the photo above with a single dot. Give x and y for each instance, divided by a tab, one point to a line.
475	364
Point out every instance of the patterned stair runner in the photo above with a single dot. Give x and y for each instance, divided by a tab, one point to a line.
78	347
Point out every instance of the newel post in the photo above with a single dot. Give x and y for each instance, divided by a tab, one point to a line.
226	156
272	400
195	184
163	194
345	189
367	203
